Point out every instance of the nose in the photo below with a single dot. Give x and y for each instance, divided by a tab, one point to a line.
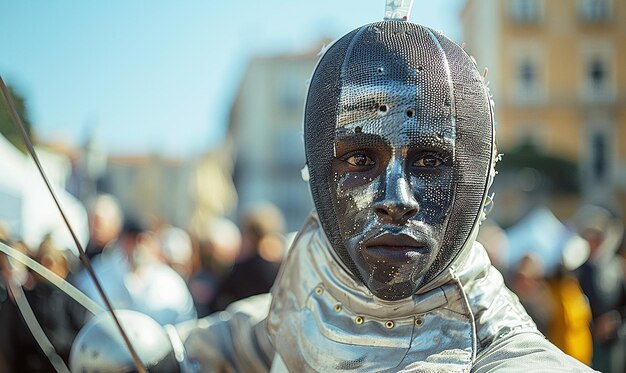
397	204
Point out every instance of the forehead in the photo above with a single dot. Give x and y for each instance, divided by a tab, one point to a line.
398	113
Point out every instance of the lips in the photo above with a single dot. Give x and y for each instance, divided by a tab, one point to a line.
394	248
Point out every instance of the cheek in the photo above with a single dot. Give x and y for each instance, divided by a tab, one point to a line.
434	194
353	202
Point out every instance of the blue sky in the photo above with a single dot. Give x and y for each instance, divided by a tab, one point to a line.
158	76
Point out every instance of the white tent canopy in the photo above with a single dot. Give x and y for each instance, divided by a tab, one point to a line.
542	234
27	208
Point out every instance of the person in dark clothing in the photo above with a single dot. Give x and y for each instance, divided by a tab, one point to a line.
603	282
59	315
256	267
213	258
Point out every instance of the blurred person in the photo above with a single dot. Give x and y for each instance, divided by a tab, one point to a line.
528	283
4	268
387	275
218	247
135	279
602	280
221	246
256	267
105	224
59	316
4	292
569	327
176	250
20	272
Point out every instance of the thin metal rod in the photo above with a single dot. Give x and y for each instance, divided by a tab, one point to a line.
81	253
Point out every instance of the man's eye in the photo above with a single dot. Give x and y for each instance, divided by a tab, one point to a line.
360	160
428	161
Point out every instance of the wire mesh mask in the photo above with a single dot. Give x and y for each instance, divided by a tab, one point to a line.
434	76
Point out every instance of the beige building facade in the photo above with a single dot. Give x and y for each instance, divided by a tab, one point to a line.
557	70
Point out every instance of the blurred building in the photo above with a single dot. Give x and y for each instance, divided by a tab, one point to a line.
557	70
151	188
266	127
212	190
187	193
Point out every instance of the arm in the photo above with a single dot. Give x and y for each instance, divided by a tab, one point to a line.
234	340
526	352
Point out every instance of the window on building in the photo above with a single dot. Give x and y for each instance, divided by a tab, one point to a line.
594	10
528	75
597	74
599	157
525	11
598	84
528	85
292	90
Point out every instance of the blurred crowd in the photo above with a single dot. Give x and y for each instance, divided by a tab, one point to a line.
579	303
157	269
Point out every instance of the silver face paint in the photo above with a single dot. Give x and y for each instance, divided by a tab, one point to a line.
393	188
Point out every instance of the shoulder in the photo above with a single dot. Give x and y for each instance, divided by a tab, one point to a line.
527	352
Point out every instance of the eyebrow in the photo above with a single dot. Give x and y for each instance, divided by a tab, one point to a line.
350	138
430	140
354	140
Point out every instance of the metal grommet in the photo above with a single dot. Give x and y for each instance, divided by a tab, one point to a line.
319	290
358	320
419	321
389	324
337	307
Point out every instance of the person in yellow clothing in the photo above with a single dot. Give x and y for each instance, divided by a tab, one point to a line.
569	328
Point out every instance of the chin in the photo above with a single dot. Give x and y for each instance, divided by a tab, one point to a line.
391	281
392	292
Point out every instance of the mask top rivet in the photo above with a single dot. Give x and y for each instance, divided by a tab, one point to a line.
319	290
389	324
359	320
337	308
419	321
